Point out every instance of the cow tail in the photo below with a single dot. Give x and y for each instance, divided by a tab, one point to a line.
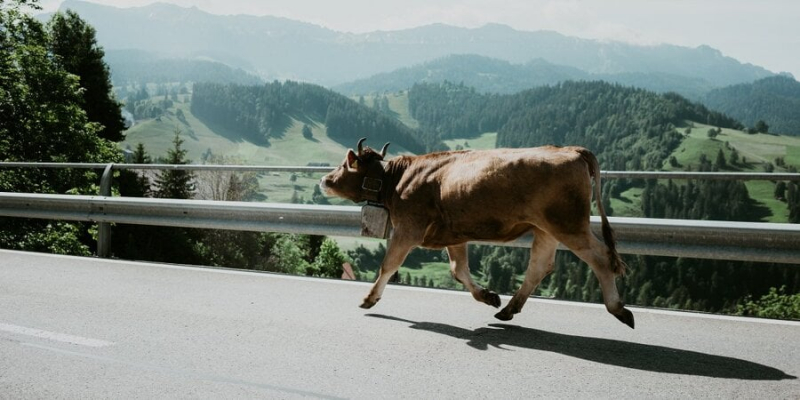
617	264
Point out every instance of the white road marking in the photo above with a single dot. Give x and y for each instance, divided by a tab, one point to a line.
54	336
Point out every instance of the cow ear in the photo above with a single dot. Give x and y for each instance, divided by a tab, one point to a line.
352	159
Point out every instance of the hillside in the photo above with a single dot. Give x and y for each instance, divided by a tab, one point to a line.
490	75
743	152
775	100
200	139
205	143
259	114
628	128
252	43
130	67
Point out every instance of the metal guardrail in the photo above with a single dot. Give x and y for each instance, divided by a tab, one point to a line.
104	229
741	241
678	238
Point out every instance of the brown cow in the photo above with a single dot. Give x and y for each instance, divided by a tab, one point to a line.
444	200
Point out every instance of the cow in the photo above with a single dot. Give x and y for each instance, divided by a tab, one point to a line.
446	199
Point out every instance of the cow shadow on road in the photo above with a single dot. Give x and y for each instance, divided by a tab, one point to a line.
639	356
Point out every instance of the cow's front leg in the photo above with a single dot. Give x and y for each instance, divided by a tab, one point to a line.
396	252
459	268
543	253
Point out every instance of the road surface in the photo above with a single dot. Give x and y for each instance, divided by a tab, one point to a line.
74	327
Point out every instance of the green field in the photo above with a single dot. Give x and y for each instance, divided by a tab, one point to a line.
756	150
482	142
291	149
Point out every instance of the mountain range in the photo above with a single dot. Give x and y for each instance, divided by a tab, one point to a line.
279	48
491	75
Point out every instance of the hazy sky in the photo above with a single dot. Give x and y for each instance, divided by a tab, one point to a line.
762	32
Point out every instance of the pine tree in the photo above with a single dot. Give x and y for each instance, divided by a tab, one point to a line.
793	202
140	156
780	190
720	162
73	42
307	133
175	184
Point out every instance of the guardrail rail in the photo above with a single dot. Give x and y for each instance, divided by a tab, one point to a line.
726	240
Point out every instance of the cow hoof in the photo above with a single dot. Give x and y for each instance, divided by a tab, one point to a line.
491	298
626	317
368	304
504	316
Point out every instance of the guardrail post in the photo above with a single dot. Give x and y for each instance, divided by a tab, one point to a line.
104	228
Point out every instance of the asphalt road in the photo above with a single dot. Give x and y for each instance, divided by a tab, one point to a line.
87	328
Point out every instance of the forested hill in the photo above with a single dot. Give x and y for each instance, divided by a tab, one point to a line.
258	113
775	100
491	75
628	128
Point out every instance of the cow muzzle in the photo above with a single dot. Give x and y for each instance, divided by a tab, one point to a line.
324	185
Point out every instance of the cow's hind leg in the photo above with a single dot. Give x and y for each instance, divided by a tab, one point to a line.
459	268
543	254
595	253
396	253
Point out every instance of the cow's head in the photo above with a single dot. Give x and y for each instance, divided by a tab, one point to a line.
359	177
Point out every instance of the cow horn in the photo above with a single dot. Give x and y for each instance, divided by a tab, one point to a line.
383	150
360	148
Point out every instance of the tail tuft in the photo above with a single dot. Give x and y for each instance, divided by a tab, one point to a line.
619	266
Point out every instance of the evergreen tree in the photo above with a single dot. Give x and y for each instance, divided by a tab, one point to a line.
762	127
140	156
132	183
720	162
734	156
166	244
175	184
73	42
307	132
780	190
793	202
